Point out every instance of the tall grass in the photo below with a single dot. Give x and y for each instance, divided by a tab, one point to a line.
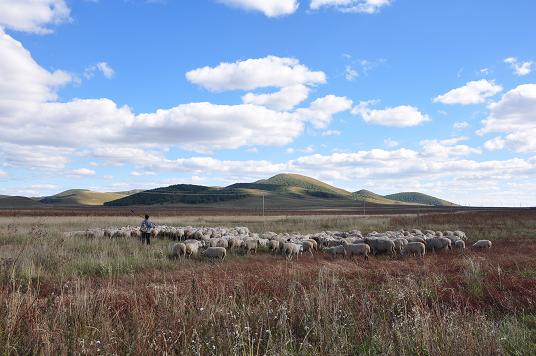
61	296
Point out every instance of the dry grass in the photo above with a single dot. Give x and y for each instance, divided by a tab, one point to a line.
77	296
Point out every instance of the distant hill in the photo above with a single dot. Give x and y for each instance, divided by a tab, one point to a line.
282	191
18	202
129	192
180	194
370	197
304	184
419	198
81	197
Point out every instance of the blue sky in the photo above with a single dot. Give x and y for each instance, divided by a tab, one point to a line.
433	96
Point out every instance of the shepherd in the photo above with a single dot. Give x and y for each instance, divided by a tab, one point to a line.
146	229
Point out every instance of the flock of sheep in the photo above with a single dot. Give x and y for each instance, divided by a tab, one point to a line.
216	242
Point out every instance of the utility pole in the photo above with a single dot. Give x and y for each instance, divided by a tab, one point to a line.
263	218
364	209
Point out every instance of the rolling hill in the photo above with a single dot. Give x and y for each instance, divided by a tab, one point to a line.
303	184
81	197
419	198
370	197
180	194
282	191
19	202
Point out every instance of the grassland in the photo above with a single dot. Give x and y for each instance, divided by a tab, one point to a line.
82	197
75	295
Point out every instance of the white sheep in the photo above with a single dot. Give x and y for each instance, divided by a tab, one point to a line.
358	250
235	243
315	244
219	243
214	252
291	249
178	250
274	245
335	250
414	248
381	245
482	244
459	245
460	234
192	248
251	246
400	243
439	244
308	246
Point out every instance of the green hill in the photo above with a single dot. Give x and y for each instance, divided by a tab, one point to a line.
81	197
180	194
281	191
370	197
302	184
18	202
129	192
419	198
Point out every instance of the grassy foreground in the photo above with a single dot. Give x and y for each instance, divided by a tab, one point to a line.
60	296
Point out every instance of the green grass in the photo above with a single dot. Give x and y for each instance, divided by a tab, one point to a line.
63	295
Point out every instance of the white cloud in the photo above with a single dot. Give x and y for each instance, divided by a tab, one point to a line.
400	116
309	149
2	174
350	73
206	126
497	143
32	15
45	157
142	174
514	115
358	6
285	99
83	172
22	81
30	117
270	8
102	67
475	92
460	125
447	148
119	155
106	70
520	68
270	71
389	142
321	111
331	133
443	173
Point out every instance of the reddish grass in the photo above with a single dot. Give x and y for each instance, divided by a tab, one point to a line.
480	303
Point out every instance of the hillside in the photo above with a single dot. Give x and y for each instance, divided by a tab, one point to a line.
306	184
180	194
282	191
81	197
18	202
370	197
419	198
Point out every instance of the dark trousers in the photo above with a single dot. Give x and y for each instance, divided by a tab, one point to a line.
146	238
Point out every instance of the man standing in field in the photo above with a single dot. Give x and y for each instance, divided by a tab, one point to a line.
146	229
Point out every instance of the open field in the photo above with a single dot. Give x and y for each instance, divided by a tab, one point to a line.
246	211
72	295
